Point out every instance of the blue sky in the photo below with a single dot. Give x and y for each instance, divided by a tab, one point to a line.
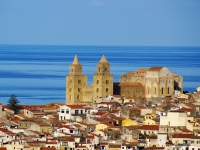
100	22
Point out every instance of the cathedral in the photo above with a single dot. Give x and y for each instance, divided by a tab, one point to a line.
146	83
77	90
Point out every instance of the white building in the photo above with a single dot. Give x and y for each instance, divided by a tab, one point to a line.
68	111
175	119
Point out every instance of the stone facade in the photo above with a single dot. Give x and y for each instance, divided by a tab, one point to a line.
155	82
77	90
146	83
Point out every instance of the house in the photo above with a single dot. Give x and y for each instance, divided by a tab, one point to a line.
129	146
181	139
68	112
149	129
175	119
195	143
162	138
151	140
130	133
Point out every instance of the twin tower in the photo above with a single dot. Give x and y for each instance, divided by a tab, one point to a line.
77	90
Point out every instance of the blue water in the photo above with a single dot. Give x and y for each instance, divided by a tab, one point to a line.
36	74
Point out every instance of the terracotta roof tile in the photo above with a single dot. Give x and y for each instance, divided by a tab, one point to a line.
182	136
157	69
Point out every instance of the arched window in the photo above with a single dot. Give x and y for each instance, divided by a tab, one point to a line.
162	90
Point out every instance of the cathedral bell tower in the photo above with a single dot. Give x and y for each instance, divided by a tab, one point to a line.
102	80
75	83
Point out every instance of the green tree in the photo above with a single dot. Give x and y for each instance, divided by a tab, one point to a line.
13	103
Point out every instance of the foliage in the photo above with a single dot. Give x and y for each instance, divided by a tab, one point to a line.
185	92
13	103
142	136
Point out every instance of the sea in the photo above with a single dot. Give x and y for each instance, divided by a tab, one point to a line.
36	74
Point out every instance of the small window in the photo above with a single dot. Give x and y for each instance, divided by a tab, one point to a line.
76	112
62	111
67	111
97	89
97	81
107	82
106	89
79	81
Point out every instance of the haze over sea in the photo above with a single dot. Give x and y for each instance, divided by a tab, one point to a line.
36	74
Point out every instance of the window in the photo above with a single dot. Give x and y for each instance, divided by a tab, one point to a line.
79	89
70	89
79	81
97	81
65	144
124	131
62	111
155	90
67	111
106	89
107	82
161	90
168	90
76	112
97	89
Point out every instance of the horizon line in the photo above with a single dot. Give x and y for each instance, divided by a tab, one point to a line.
94	45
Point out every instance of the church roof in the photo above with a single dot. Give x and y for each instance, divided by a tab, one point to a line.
155	69
142	70
103	59
75	60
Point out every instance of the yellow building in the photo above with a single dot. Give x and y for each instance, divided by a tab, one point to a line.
129	122
77	90
101	126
